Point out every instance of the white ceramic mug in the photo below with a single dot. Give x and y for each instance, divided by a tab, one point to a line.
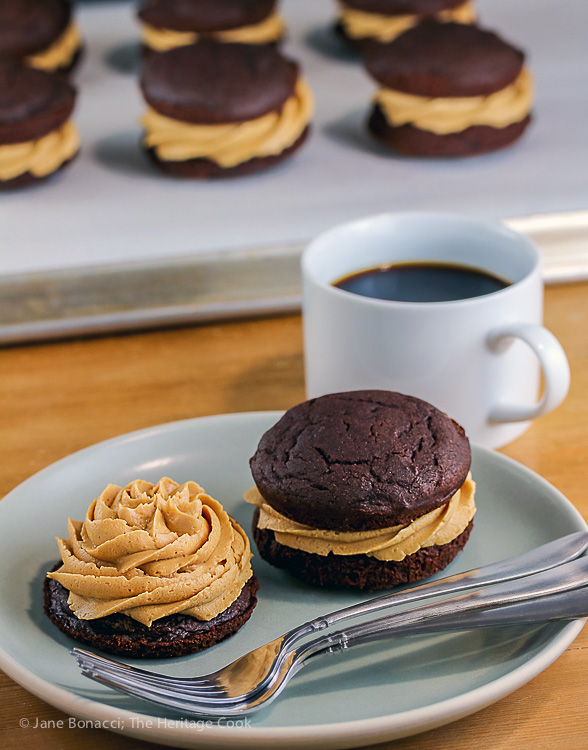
477	359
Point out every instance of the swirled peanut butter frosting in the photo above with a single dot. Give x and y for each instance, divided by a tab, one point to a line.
358	24
231	143
444	115
438	527
40	157
61	53
149	551
271	29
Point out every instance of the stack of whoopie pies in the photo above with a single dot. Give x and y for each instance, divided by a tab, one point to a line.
364	489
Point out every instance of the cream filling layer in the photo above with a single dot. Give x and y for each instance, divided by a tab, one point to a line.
453	114
438	527
40	157
358	24
61	53
231	143
271	29
149	551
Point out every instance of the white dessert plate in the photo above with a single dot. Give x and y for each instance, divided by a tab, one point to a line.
368	695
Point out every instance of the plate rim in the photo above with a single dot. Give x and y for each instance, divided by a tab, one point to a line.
340	734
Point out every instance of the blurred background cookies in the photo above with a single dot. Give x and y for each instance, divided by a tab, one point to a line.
448	89
37	135
166	24
218	109
42	33
383	20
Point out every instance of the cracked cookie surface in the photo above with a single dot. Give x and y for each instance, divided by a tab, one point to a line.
360	460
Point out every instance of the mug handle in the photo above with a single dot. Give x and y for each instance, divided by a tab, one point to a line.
551	356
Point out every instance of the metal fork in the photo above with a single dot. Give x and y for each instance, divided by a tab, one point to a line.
258	670
528	601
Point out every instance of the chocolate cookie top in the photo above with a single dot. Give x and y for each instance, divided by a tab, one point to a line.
204	15
444	59
32	102
29	26
211	83
360	460
402	7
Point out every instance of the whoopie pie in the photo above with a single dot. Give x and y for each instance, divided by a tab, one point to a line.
383	20
362	489
448	89
218	109
37	135
42	33
175	23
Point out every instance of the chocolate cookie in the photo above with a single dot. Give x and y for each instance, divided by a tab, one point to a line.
360	460
477	139
33	105
29	29
175	635
445	62
223	85
209	83
32	102
402	7
205	16
167	24
357	571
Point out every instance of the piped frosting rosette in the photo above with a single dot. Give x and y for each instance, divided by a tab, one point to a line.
149	551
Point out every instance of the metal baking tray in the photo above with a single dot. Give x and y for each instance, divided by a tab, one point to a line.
111	245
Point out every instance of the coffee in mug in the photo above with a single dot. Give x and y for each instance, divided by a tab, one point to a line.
421	282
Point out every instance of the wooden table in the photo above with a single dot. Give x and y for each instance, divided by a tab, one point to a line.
60	397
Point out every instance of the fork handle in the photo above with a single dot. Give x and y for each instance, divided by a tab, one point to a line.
567	605
542	558
564	578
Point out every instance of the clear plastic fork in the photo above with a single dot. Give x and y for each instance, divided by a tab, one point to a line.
258	671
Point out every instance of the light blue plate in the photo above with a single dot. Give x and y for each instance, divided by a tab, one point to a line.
370	694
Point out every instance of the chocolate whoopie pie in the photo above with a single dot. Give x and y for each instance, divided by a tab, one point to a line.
42	33
448	89
383	20
37	135
363	489
154	571
175	23
223	109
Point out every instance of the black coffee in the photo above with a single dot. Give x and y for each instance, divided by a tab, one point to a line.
421	282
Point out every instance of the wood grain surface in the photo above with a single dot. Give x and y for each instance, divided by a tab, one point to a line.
57	398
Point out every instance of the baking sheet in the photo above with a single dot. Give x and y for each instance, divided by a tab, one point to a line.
111	224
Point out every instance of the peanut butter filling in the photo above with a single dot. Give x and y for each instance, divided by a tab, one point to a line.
453	114
359	24
232	143
271	29
61	53
438	527
40	157
149	551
